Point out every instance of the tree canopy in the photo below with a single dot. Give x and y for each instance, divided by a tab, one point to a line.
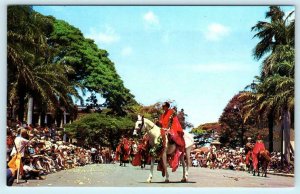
93	70
100	129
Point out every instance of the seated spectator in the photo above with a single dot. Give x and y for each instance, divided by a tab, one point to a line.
30	171
10	176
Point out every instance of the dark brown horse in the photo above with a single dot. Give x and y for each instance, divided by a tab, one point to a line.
249	161
264	159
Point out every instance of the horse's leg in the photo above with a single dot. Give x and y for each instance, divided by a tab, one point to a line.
151	170
164	158
188	161
253	169
265	168
258	166
121	159
183	167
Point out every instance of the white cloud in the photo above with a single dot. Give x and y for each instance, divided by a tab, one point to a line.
126	51
151	18
216	32
151	21
107	37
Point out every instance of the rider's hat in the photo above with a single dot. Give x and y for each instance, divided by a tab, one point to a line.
166	104
259	137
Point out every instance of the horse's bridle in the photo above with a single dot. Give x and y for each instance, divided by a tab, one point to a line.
141	127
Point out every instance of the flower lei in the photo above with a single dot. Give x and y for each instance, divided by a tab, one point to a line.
156	150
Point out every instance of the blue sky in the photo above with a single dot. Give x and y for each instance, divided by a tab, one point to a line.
199	56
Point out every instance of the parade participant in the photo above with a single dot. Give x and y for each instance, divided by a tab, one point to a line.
169	121
248	151
259	146
181	117
211	157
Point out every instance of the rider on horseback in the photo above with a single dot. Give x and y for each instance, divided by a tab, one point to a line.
248	152
169	121
259	146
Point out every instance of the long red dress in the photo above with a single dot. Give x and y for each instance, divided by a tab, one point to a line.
176	133
259	146
176	130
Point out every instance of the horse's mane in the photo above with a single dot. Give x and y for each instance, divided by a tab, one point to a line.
149	121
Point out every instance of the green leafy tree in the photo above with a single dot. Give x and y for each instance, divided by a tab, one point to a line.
93	69
100	129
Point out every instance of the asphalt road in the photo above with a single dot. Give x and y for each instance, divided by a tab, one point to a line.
112	175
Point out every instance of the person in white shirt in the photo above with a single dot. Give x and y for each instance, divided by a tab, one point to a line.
20	143
30	170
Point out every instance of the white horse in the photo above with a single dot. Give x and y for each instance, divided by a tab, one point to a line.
154	134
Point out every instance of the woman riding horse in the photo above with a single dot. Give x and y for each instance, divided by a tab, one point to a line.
159	147
260	157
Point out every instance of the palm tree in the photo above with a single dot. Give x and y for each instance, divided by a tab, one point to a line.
274	94
31	73
25	41
271	34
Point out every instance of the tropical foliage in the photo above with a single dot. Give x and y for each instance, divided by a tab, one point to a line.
31	71
235	128
50	60
100	129
273	95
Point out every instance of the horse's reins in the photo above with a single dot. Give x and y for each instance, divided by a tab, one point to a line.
140	129
143	122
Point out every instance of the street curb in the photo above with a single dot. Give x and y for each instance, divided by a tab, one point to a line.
281	174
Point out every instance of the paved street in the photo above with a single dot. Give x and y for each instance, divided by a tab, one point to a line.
112	175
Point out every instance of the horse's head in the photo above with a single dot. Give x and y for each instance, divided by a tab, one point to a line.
139	124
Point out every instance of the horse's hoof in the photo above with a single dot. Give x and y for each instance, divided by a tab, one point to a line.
184	180
149	180
167	181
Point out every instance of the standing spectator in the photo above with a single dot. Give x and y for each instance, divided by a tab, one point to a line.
21	142
93	154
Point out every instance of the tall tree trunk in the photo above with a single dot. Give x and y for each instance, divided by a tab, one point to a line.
30	110
242	134
286	134
271	127
21	108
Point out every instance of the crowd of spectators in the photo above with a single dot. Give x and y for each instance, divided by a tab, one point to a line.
43	152
227	158
223	158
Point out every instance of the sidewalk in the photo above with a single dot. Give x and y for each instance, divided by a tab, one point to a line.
281	174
